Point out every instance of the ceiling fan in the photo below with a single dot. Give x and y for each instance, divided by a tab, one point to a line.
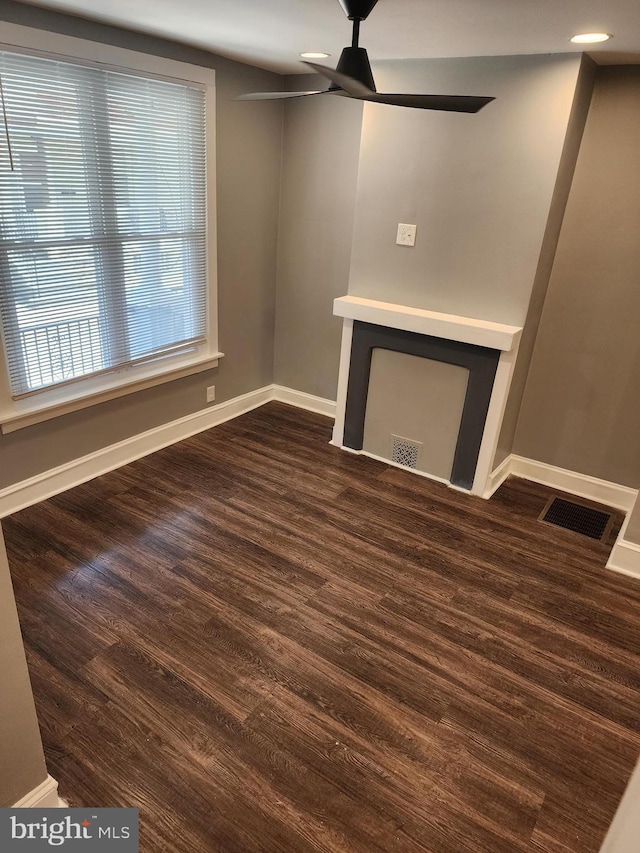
353	77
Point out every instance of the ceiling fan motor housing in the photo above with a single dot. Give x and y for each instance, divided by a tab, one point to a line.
358	10
354	62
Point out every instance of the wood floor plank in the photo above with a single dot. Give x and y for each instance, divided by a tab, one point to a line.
267	644
158	701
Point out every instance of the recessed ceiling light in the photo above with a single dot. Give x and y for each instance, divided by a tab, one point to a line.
314	55
590	38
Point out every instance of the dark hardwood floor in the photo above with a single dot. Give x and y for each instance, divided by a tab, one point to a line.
267	644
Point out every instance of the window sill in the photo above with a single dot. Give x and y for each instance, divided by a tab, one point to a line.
57	402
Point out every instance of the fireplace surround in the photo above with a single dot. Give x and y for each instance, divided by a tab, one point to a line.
486	349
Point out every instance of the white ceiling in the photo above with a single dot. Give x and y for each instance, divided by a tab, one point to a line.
271	33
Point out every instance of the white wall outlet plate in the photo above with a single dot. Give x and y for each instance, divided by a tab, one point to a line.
211	393
406	234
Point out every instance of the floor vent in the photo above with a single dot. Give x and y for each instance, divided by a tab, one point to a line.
404	451
579	518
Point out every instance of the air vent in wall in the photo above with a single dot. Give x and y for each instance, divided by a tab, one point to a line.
577	517
404	451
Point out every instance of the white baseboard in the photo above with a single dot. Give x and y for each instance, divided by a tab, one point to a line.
304	401
581	485
625	558
45	796
57	480
497	477
625	555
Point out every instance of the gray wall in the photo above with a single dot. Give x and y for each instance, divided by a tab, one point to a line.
479	187
321	148
22	765
573	139
581	408
249	148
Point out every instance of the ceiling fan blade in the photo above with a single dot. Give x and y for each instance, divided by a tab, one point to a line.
350	85
354	88
450	103
274	96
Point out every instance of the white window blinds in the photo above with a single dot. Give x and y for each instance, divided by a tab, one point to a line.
102	220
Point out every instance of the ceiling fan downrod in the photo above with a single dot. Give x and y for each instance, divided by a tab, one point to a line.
354	61
356	32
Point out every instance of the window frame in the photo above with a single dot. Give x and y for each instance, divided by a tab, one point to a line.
82	393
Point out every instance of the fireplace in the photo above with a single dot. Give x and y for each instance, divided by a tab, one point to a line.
486	350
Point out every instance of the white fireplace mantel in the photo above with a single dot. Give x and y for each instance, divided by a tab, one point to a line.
452	327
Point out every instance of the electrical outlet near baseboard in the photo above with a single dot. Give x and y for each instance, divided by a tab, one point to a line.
211	393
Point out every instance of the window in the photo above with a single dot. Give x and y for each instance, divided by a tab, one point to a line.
103	222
